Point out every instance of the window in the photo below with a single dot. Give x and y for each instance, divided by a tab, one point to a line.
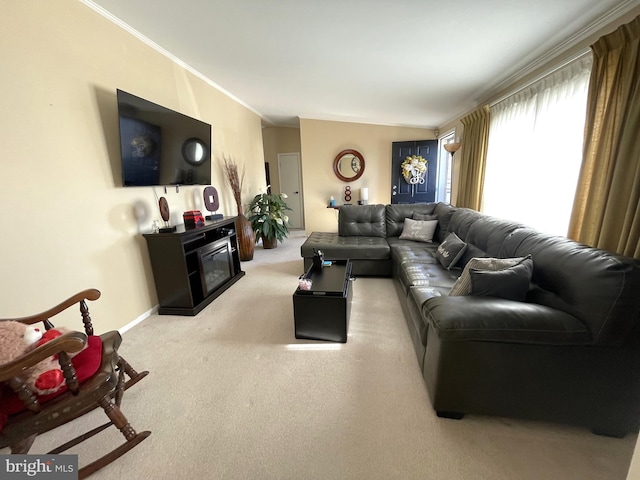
535	150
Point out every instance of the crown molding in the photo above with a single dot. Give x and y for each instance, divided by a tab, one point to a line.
162	51
339	119
600	23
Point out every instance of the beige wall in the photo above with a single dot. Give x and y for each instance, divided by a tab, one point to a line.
279	140
66	223
322	141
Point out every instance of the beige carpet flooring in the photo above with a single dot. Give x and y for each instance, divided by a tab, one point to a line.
233	395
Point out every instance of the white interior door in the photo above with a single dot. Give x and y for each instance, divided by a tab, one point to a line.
290	177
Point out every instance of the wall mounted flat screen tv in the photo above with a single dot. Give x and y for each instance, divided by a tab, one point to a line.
159	146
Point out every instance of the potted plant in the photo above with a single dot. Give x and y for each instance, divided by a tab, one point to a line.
267	214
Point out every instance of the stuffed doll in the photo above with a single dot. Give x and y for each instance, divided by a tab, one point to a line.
17	339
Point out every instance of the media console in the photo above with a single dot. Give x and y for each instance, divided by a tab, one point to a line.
192	267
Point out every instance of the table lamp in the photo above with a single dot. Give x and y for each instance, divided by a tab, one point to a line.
364	196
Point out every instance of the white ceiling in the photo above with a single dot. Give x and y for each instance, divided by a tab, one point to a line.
395	62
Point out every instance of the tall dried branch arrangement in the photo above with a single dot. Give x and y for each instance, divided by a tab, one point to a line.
235	179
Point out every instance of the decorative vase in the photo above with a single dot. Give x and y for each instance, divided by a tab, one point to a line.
269	242
246	238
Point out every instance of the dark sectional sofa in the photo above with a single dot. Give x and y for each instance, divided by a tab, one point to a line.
569	352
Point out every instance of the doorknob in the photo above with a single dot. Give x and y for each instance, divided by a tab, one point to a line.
296	193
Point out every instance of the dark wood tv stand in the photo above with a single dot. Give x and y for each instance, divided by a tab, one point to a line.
192	267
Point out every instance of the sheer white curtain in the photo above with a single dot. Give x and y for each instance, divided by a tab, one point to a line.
535	150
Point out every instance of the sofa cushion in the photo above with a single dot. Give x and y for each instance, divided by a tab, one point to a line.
336	247
420	231
463	284
471	252
499	320
426	275
511	283
423	216
484	235
396	213
362	221
450	251
461	221
401	253
445	212
407	251
489	233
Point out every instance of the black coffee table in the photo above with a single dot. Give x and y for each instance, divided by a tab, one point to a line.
322	313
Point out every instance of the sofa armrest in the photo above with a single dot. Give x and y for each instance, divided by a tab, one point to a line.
469	318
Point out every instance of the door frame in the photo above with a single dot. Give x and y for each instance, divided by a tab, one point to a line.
301	194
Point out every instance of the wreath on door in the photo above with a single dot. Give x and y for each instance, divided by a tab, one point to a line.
414	169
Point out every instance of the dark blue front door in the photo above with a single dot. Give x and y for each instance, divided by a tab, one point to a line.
401	190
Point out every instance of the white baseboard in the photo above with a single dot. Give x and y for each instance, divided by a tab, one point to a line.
138	320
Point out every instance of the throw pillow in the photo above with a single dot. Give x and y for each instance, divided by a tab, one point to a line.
450	251
463	283
423	216
421	231
511	283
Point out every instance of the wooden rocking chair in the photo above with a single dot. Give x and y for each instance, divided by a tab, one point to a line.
27	415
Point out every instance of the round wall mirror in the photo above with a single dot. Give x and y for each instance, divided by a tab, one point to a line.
194	151
348	165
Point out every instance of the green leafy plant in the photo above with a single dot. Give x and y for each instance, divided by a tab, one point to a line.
267	214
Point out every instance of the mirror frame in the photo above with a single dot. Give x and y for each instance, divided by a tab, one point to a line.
185	151
336	165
